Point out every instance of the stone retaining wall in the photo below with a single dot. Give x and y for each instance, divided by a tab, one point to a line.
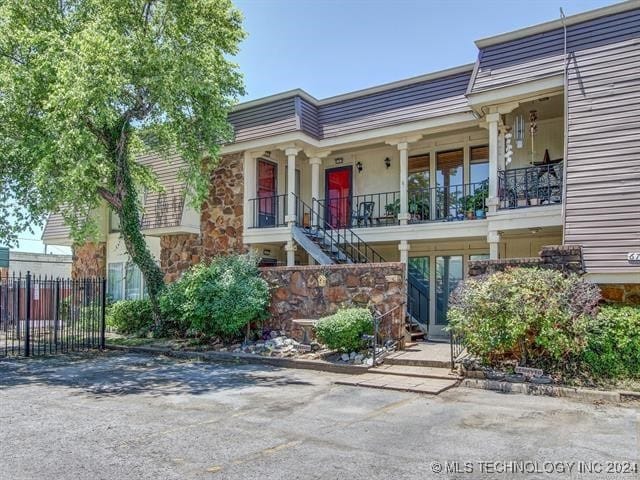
178	253
301	292
628	293
565	258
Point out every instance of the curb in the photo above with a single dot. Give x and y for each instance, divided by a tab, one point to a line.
230	357
547	390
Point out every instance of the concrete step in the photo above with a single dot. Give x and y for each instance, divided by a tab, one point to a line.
414	362
432	386
418	372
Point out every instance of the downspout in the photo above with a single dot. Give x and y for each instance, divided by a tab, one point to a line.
566	128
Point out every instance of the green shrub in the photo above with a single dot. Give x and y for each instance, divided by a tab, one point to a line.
218	299
130	317
343	330
531	316
613	348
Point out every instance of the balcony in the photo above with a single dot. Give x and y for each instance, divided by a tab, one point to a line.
530	186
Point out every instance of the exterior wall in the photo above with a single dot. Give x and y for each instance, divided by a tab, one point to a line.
117	253
296	293
89	260
178	253
603	172
221	220
40	264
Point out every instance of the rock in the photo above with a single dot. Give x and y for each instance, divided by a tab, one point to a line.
274	333
542	380
368	361
352	355
278	342
358	359
288	341
237	350
344	357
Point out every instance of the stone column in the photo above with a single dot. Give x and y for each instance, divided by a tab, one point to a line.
290	248
493	120
291	183
493	238
404	216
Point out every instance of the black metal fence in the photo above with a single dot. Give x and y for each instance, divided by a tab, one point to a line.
44	316
530	186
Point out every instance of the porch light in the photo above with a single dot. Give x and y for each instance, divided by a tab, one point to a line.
387	162
359	166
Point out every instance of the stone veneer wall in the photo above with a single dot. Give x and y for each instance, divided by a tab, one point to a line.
178	253
296	293
566	258
89	260
628	293
222	213
221	220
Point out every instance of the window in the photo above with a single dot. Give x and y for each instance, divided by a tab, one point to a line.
115	277
479	164
114	221
449	168
418	173
124	281
479	256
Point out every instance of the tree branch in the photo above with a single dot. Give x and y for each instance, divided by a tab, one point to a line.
110	197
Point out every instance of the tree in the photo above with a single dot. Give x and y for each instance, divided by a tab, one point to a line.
85	85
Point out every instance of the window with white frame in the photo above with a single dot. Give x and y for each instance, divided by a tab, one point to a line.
124	281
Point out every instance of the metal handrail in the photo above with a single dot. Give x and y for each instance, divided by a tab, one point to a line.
366	210
534	185
268	212
453	202
377	319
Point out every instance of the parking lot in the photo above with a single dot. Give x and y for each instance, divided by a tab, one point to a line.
130	416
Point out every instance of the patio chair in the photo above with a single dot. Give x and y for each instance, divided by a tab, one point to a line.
364	214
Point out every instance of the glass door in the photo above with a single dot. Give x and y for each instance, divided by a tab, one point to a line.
449	272
449	184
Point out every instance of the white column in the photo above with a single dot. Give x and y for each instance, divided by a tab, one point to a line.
404	216
249	184
290	248
315	163
492	125
291	184
404	248
493	238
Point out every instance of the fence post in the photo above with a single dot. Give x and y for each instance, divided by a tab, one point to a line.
103	324
27	316
56	318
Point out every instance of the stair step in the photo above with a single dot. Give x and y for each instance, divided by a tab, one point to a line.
410	362
418	372
416	335
432	386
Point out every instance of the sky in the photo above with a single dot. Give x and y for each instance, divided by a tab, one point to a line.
329	47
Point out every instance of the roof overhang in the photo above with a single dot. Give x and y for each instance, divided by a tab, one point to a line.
520	92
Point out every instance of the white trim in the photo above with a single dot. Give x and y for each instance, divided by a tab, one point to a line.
177	230
518	92
266	235
58	241
620	277
529	217
555	24
356	93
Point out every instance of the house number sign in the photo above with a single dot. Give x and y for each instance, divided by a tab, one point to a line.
633	257
322	281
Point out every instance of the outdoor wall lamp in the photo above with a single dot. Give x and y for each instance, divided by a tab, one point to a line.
387	162
359	166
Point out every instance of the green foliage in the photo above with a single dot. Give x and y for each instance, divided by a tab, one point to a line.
343	330
130	317
533	316
218	299
613	347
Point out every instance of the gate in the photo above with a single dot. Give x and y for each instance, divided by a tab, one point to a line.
45	316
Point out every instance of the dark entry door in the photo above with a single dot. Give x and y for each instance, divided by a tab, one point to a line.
338	191
267	189
418	290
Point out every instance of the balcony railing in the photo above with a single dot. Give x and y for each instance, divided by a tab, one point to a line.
530	186
454	202
268	211
369	210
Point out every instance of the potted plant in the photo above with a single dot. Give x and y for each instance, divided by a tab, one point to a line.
393	208
468	203
480	199
419	208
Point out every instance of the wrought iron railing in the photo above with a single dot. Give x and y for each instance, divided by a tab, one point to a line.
453	202
45	315
339	239
268	211
368	210
530	186
457	347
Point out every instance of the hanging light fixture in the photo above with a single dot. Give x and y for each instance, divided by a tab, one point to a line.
518	131
359	166
387	162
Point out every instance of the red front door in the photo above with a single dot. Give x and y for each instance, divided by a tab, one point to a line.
338	196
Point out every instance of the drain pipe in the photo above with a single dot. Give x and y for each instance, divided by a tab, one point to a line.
566	127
